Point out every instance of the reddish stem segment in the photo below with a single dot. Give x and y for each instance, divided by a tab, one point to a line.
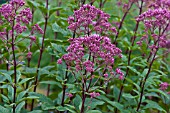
41	52
121	22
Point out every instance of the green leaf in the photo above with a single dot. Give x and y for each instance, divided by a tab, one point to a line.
18	76
22	94
8	76
93	111
127	95
70	108
19	107
153	105
32	3
58	48
134	70
47	106
5	99
36	111
52	10
25	80
76	101
10	92
159	91
52	83
117	105
57	28
4	110
29	70
43	9
94	102
61	108
42	98
144	72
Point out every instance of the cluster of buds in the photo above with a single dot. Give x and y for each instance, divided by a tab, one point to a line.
18	17
164	86
94	94
98	47
155	19
89	19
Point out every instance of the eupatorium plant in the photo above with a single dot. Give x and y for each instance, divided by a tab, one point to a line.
156	23
89	54
15	20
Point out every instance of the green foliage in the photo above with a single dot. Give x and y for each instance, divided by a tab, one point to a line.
52	79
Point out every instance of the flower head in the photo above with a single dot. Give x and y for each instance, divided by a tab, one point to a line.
164	86
94	94
90	17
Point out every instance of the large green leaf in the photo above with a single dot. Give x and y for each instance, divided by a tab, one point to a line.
153	105
4	110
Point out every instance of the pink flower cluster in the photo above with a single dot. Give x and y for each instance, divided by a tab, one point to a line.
155	19
120	73
88	19
164	86
37	28
69	95
94	94
12	13
160	4
98	47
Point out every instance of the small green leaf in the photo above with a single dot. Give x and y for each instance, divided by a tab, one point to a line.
61	108
19	107
10	92
57	28
36	111
25	80
93	111
134	70
52	10
18	76
116	104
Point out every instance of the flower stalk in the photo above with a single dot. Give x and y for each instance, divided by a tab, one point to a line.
41	53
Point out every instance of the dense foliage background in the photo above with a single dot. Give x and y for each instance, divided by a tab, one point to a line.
56	58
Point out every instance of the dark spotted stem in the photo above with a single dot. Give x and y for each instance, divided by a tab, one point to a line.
129	55
144	81
41	52
121	23
150	66
15	66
